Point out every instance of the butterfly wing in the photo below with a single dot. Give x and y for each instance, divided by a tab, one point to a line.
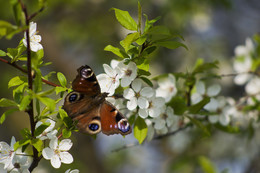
112	121
86	82
86	105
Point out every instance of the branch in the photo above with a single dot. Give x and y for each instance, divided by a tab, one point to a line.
25	71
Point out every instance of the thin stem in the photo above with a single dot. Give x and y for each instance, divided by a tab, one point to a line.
25	71
30	111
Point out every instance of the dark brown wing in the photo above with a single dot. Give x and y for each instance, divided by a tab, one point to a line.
86	82
112	121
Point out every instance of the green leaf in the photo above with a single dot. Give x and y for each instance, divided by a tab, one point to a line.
17	80
199	125
125	19
130	38
6	103
38	80
59	89
228	129
179	105
143	64
66	133
116	51
26	133
147	81
12	52
62	79
194	109
45	93
26	100
149	23
38	144
2	53
17	11
7	29
50	103
139	17
62	113
201	67
206	165
171	44
6	113
21	143
140	130
41	128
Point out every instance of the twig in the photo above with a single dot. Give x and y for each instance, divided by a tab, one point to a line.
14	65
25	71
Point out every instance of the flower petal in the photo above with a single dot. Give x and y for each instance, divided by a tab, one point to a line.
147	92
65	145
213	90
132	104
128	93
66	157
142	103
47	153
54	143
55	161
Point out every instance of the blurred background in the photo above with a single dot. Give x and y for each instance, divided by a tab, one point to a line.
75	33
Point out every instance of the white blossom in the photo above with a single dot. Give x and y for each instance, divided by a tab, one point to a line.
108	81
167	88
49	132
137	95
211	91
7	153
127	73
58	153
34	39
154	109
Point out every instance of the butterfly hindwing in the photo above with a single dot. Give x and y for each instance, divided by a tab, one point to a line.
112	121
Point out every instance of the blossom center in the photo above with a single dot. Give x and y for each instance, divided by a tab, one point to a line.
128	72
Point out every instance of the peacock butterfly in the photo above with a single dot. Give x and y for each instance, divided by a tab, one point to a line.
88	106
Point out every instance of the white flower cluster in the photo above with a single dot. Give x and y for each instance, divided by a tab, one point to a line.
57	152
142	99
13	161
243	65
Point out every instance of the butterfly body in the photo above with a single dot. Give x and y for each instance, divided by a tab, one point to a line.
88	106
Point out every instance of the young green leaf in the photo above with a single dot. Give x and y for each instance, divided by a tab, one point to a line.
130	38
194	109
62	79
17	80
171	44
37	143
50	103
66	133
59	89
124	18
140	130
206	165
26	100
21	143
2	53
41	128
116	51
6	103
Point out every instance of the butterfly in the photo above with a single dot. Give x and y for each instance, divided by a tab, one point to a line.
88	107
